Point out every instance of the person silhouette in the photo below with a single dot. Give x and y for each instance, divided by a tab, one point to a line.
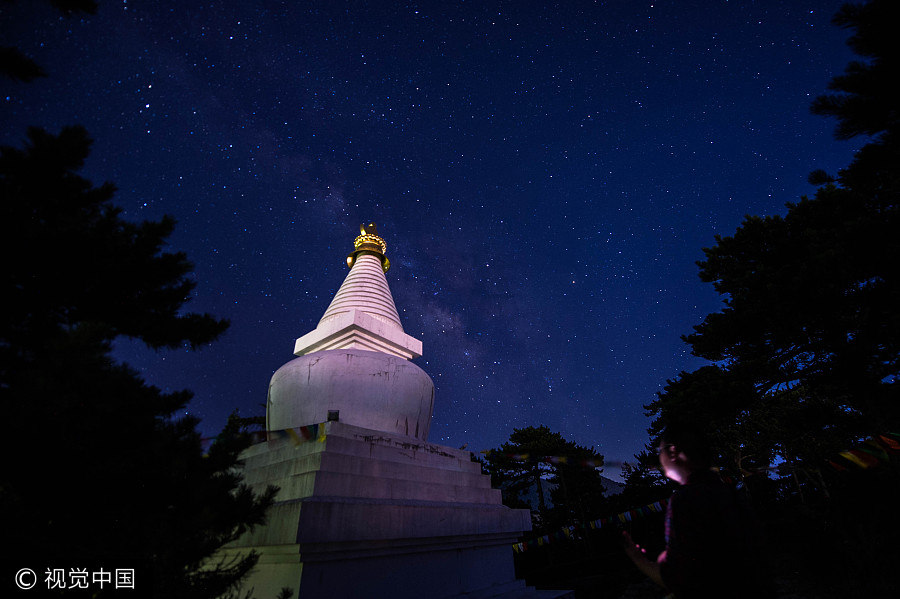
713	543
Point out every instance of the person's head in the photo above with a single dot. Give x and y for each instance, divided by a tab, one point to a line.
683	450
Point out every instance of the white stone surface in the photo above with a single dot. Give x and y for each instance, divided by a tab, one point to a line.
362	315
369	514
365	288
374	390
355	329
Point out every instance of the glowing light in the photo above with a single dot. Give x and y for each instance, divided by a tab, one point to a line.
369	242
370	239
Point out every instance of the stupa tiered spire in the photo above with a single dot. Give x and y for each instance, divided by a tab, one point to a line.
362	314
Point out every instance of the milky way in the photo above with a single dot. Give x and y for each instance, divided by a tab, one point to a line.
544	177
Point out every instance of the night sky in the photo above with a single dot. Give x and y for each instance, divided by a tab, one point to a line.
544	176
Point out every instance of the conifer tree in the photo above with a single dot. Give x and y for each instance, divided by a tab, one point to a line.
810	320
98	468
15	65
535	456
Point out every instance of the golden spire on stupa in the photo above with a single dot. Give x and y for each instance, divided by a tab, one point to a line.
368	242
362	314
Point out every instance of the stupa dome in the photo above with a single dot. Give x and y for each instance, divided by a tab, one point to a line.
368	389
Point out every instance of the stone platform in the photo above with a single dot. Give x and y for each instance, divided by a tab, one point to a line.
367	514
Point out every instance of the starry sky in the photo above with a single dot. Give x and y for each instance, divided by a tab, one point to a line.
545	176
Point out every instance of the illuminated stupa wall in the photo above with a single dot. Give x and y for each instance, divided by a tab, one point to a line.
366	507
355	364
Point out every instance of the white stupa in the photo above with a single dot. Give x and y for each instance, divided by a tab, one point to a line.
366	507
355	364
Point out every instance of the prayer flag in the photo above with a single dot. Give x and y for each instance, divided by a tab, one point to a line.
870	446
295	438
855	459
867	458
889	443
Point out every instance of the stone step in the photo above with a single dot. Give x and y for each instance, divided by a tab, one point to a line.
337	521
338	462
258	472
385	447
396	445
338	484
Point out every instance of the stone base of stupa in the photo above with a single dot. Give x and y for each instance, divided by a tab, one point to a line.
363	514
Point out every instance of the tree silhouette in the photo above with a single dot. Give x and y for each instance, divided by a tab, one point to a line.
99	469
866	102
19	67
535	456
807	346
644	483
806	349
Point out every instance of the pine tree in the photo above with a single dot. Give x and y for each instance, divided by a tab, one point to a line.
535	456
810	321
15	65
98	468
